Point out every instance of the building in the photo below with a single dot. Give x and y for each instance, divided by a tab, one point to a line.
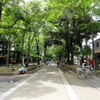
97	53
97	46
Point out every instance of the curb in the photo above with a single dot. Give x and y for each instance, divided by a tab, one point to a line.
9	73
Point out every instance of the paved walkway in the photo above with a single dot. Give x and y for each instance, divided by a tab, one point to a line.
48	83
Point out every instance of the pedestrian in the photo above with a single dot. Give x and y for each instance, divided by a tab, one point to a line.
46	63
23	70
50	63
26	67
12	68
58	64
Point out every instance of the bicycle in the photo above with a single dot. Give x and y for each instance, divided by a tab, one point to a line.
83	74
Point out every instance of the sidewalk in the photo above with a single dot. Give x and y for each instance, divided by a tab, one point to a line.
48	83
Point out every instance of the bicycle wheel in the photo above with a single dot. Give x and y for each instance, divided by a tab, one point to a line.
92	74
81	75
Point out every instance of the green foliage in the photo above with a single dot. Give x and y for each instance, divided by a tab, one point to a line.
64	23
83	50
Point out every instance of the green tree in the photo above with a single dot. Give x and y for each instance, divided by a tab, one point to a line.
83	50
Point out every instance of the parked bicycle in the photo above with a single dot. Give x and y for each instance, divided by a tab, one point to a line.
83	74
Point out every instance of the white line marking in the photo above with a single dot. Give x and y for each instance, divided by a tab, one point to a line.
70	91
4	95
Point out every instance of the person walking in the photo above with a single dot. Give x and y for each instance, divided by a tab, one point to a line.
58	64
46	63
50	63
26	67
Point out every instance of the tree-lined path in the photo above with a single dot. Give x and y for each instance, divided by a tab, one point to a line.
50	83
43	31
39	29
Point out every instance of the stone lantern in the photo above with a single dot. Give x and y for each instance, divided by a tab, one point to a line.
23	56
78	59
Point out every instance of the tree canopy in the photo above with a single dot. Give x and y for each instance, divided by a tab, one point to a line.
30	27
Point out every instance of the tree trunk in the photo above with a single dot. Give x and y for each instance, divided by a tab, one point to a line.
22	43
93	54
68	55
0	10
82	59
38	50
71	50
72	63
29	44
60	58
8	52
45	54
13	57
87	53
28	47
38	54
96	64
68	58
22	63
18	56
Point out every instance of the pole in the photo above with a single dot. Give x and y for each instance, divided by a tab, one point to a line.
93	50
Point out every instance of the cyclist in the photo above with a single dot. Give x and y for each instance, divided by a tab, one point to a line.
83	66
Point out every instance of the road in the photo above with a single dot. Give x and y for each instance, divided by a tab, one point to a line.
49	83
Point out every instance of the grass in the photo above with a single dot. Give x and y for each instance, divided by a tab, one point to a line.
70	67
73	67
5	69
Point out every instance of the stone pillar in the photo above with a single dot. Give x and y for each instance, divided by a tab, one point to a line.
23	56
